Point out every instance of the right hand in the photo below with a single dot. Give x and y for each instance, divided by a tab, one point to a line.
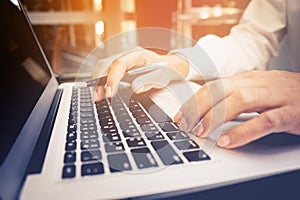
176	64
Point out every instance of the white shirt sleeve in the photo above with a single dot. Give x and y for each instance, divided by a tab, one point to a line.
250	44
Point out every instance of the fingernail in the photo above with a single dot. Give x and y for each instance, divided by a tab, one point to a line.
108	92
200	130
183	124
224	141
178	116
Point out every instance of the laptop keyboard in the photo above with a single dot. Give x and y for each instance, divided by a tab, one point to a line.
121	134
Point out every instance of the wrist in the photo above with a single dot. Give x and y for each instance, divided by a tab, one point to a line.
178	63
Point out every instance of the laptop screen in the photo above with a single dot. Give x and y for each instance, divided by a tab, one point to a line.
24	74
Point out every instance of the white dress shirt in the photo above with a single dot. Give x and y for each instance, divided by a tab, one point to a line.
267	36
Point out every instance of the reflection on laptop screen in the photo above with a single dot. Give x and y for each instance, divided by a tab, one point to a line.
24	75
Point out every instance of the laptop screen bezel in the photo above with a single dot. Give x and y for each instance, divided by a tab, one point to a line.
13	169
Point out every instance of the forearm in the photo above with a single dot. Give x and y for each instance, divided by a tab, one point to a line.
250	45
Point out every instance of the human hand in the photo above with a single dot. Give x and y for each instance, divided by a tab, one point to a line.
274	94
176	68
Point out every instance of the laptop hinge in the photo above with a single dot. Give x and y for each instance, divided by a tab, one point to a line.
39	153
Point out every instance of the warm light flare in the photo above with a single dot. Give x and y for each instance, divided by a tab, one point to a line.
99	26
217	11
98	5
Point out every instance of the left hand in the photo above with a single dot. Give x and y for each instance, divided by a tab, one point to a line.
274	94
176	68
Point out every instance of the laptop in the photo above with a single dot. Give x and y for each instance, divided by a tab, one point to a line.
56	143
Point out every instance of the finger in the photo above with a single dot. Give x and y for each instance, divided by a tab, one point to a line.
177	117
116	73
212	119
119	66
99	93
211	94
275	120
200	103
243	101
126	62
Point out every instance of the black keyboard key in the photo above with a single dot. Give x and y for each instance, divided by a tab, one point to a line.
124	117
111	137
139	114
133	105
166	153
194	156
70	145
87	120
90	144
91	155
129	130
168	127
136	142
102	107
127	125
85	100
86	110
69	171
116	104
119	110
92	169
70	157
105	115
136	110
106	122
73	114
72	127
109	129
186	145
86	114
179	135
88	135
88	128
118	162
74	102
144	120
149	127
72	121
71	136
73	110
103	111
86	105
116	100
143	158
114	147
154	135
131	133
87	125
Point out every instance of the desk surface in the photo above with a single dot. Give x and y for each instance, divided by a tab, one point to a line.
283	186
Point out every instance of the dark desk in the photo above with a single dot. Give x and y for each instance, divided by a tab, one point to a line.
279	187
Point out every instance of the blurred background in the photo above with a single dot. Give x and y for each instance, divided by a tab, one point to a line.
69	29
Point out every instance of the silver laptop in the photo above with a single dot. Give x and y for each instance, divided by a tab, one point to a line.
56	143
